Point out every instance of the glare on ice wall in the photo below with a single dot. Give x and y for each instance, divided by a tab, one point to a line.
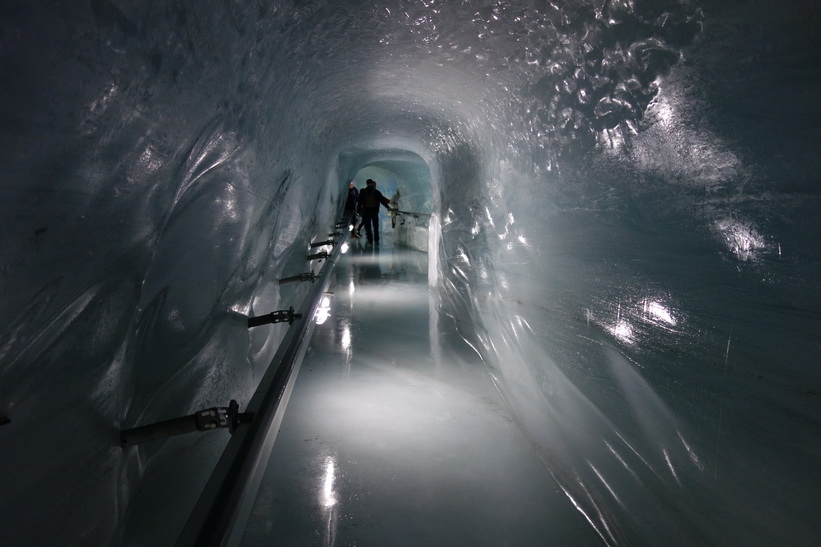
626	194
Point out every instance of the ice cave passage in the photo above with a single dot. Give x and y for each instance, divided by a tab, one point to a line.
602	327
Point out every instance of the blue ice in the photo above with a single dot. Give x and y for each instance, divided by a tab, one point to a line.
619	288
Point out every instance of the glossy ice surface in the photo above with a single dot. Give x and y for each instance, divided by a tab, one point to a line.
625	231
395	434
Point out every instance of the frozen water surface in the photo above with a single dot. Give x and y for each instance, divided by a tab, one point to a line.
394	436
622	264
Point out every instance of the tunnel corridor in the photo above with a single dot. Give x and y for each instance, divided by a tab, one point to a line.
617	327
395	433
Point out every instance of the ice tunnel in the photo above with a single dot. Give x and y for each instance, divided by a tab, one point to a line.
611	336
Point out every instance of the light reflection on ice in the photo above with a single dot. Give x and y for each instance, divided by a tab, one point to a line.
604	482
346	336
327	496
611	139
671	150
675	150
503	283
98	105
631	321
228	203
623	331
693	456
741	238
323	312
620	459
662	107
489	217
149	159
241	308
328	501
670	465
658	311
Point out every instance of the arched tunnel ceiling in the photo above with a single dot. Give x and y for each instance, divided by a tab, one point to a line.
628	203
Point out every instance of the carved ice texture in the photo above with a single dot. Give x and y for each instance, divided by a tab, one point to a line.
625	229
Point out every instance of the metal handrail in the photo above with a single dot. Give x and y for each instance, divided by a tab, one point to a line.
227	499
413	213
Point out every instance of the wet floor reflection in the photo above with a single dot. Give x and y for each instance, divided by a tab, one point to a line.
394	437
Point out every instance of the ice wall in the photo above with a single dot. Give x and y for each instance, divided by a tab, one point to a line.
626	196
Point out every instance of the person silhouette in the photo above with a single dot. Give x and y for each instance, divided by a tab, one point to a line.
369	200
351	206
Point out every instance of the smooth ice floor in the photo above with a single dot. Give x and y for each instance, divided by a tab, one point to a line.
395	435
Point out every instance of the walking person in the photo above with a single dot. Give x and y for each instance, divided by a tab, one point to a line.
369	200
351	206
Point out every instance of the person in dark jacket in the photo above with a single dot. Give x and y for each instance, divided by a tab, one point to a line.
353	199
369	200
351	207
